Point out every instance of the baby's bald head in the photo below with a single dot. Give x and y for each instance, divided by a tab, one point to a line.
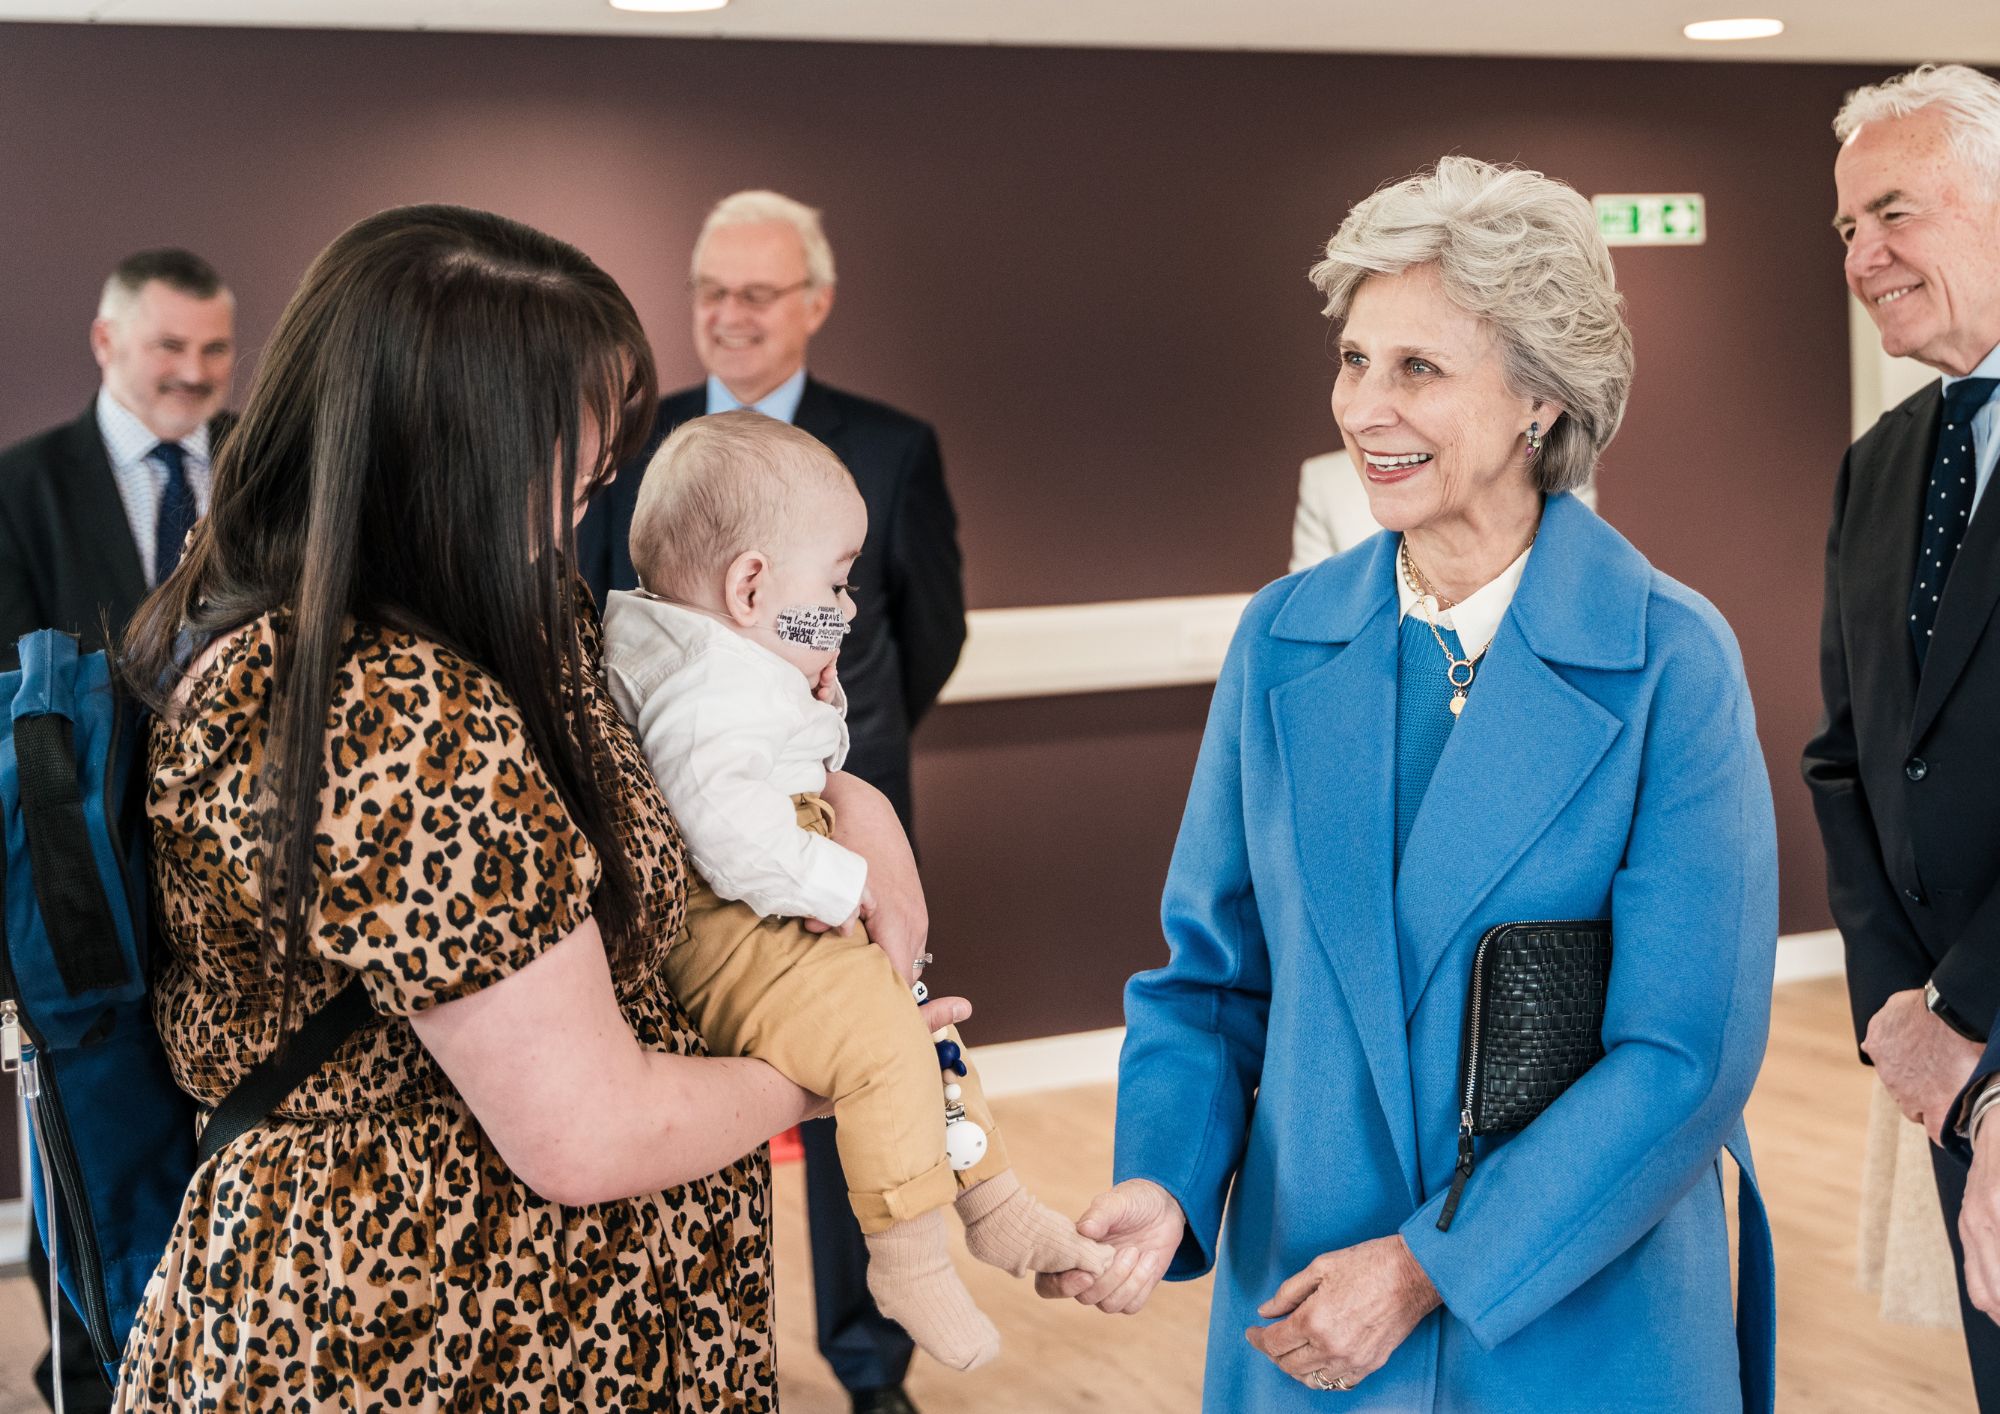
724	484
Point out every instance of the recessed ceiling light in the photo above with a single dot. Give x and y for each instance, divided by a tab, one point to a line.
1732	29
668	7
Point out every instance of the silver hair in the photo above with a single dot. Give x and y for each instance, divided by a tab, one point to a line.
1968	99
1521	252
181	271
754	208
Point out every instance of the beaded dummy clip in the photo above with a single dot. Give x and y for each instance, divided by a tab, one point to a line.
964	1139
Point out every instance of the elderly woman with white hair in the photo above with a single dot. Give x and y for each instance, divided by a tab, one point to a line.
1472	916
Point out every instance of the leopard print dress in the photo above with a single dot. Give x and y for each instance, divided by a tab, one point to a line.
367	1248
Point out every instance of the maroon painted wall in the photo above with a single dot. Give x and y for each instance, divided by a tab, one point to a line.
1086	267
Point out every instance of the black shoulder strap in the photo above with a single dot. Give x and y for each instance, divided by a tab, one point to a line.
259	1092
62	861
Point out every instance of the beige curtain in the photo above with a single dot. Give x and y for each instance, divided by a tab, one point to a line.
1905	1256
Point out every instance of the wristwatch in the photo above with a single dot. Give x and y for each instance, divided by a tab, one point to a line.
1986	1095
1941	1009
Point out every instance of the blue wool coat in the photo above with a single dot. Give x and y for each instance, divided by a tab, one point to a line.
1606	766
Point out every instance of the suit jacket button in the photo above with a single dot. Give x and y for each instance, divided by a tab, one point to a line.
1916	768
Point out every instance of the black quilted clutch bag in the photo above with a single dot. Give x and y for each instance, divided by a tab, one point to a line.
1534	1022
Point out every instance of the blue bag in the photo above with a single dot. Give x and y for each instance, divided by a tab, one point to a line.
112	1135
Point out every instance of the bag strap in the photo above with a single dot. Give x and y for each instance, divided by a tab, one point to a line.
266	1085
1756	1284
62	862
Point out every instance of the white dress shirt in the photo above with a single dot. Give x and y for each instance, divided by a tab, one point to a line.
128	447
733	732
1475	619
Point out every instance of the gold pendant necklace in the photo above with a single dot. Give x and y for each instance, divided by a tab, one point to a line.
1454	664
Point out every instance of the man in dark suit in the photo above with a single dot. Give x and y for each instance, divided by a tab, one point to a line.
763	284
93	513
1903	771
92	516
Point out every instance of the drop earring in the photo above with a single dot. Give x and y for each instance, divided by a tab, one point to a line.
1534	438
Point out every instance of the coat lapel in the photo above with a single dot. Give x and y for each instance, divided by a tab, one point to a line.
1890	504
1339	767
1527	740
1969	597
820	415
94	507
1523	747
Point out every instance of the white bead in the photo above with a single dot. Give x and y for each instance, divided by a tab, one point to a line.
952	1092
920	992
964	1144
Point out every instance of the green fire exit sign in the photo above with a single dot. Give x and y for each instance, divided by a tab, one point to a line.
1679	218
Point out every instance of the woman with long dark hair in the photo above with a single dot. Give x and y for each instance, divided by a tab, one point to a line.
384	751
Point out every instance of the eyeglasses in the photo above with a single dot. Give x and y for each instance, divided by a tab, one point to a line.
755	298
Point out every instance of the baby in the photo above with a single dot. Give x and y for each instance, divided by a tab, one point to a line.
743	535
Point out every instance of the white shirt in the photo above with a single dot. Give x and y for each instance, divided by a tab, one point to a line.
733	732
1985	428
1476	619
128	447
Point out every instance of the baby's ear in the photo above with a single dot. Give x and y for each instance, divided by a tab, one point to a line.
743	584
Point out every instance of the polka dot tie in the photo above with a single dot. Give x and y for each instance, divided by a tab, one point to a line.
1947	506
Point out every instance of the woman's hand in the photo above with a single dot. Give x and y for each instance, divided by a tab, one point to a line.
1141	1221
1345	1314
864	821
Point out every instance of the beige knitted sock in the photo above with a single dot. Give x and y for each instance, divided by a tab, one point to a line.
1007	1228
913	1282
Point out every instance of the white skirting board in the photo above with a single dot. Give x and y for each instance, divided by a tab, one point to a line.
13	1232
1091	1057
1805	956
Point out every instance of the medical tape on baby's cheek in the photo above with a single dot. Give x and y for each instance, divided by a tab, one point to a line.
819	627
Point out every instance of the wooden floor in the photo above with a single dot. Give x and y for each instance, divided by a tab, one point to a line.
1806	1121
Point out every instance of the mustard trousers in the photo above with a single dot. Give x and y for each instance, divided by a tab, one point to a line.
829	1013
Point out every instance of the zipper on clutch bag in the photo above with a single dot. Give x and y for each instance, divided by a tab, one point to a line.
1474	1005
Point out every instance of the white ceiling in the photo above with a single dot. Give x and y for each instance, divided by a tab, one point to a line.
1864	31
